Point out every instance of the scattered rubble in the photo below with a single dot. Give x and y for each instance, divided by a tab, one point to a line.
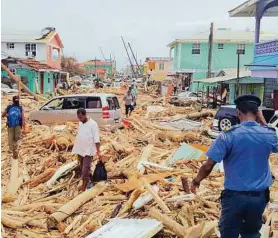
150	163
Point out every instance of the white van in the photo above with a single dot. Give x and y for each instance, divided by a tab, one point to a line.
103	108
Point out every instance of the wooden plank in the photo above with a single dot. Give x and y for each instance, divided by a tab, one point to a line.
168	222
155	196
144	157
135	183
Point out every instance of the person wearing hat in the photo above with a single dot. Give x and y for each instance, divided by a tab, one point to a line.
15	123
244	150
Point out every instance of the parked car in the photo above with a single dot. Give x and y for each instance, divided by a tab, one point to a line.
184	96
226	117
274	120
7	90
86	84
103	108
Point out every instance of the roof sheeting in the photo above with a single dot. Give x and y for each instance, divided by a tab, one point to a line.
248	9
227	36
27	36
230	76
36	65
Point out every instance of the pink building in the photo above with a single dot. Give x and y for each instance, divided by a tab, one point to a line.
44	46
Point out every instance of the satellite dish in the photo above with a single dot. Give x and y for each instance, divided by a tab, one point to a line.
46	30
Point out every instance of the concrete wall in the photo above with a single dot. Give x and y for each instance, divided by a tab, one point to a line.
53	52
19	51
157	73
226	58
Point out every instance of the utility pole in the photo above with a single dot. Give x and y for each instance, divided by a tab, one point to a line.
135	59
111	66
237	81
96	67
210	50
131	65
102	53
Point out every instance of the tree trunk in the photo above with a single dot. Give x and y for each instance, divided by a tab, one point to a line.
74	204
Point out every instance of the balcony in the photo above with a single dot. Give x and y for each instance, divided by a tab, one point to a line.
265	59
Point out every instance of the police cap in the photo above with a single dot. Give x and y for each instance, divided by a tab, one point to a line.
248	99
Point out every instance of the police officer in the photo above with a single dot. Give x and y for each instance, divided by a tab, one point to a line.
245	151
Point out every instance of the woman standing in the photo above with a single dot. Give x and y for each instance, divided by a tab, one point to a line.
129	102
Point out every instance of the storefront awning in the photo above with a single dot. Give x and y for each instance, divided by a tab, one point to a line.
223	78
248	9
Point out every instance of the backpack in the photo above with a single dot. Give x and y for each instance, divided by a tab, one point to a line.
14	116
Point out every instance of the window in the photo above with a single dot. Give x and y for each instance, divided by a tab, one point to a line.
113	103
31	50
55	104
55	54
161	66
220	46
93	102
74	103
196	48
10	46
13	71
48	80
241	49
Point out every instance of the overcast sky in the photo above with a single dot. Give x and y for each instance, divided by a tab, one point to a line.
149	25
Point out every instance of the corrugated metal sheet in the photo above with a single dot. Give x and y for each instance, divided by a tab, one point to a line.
182	124
128	228
224	78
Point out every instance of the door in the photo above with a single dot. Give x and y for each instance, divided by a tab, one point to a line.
94	109
275	100
70	106
51	112
42	82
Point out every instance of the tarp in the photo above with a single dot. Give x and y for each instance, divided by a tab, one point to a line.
185	152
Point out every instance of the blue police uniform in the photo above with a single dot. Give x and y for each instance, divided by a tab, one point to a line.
245	150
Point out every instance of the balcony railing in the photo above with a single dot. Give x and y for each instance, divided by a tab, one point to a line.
266	48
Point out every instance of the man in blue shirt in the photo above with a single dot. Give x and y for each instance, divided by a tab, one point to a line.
245	151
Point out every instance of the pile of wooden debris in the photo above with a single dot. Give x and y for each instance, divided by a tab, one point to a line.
149	166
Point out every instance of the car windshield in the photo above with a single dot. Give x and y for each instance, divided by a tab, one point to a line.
4	86
55	104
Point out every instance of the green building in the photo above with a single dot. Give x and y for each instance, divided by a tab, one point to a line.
106	67
38	77
190	55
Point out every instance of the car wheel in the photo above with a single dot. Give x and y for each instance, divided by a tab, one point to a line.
225	124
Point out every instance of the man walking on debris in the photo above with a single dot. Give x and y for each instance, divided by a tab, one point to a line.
15	123
245	151
87	145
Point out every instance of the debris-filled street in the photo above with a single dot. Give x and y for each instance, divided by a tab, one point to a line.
144	119
150	162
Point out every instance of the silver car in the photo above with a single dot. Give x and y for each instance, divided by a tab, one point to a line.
103	108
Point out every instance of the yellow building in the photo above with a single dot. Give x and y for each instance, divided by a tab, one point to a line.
157	67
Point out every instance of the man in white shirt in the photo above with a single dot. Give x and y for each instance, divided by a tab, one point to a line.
87	144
